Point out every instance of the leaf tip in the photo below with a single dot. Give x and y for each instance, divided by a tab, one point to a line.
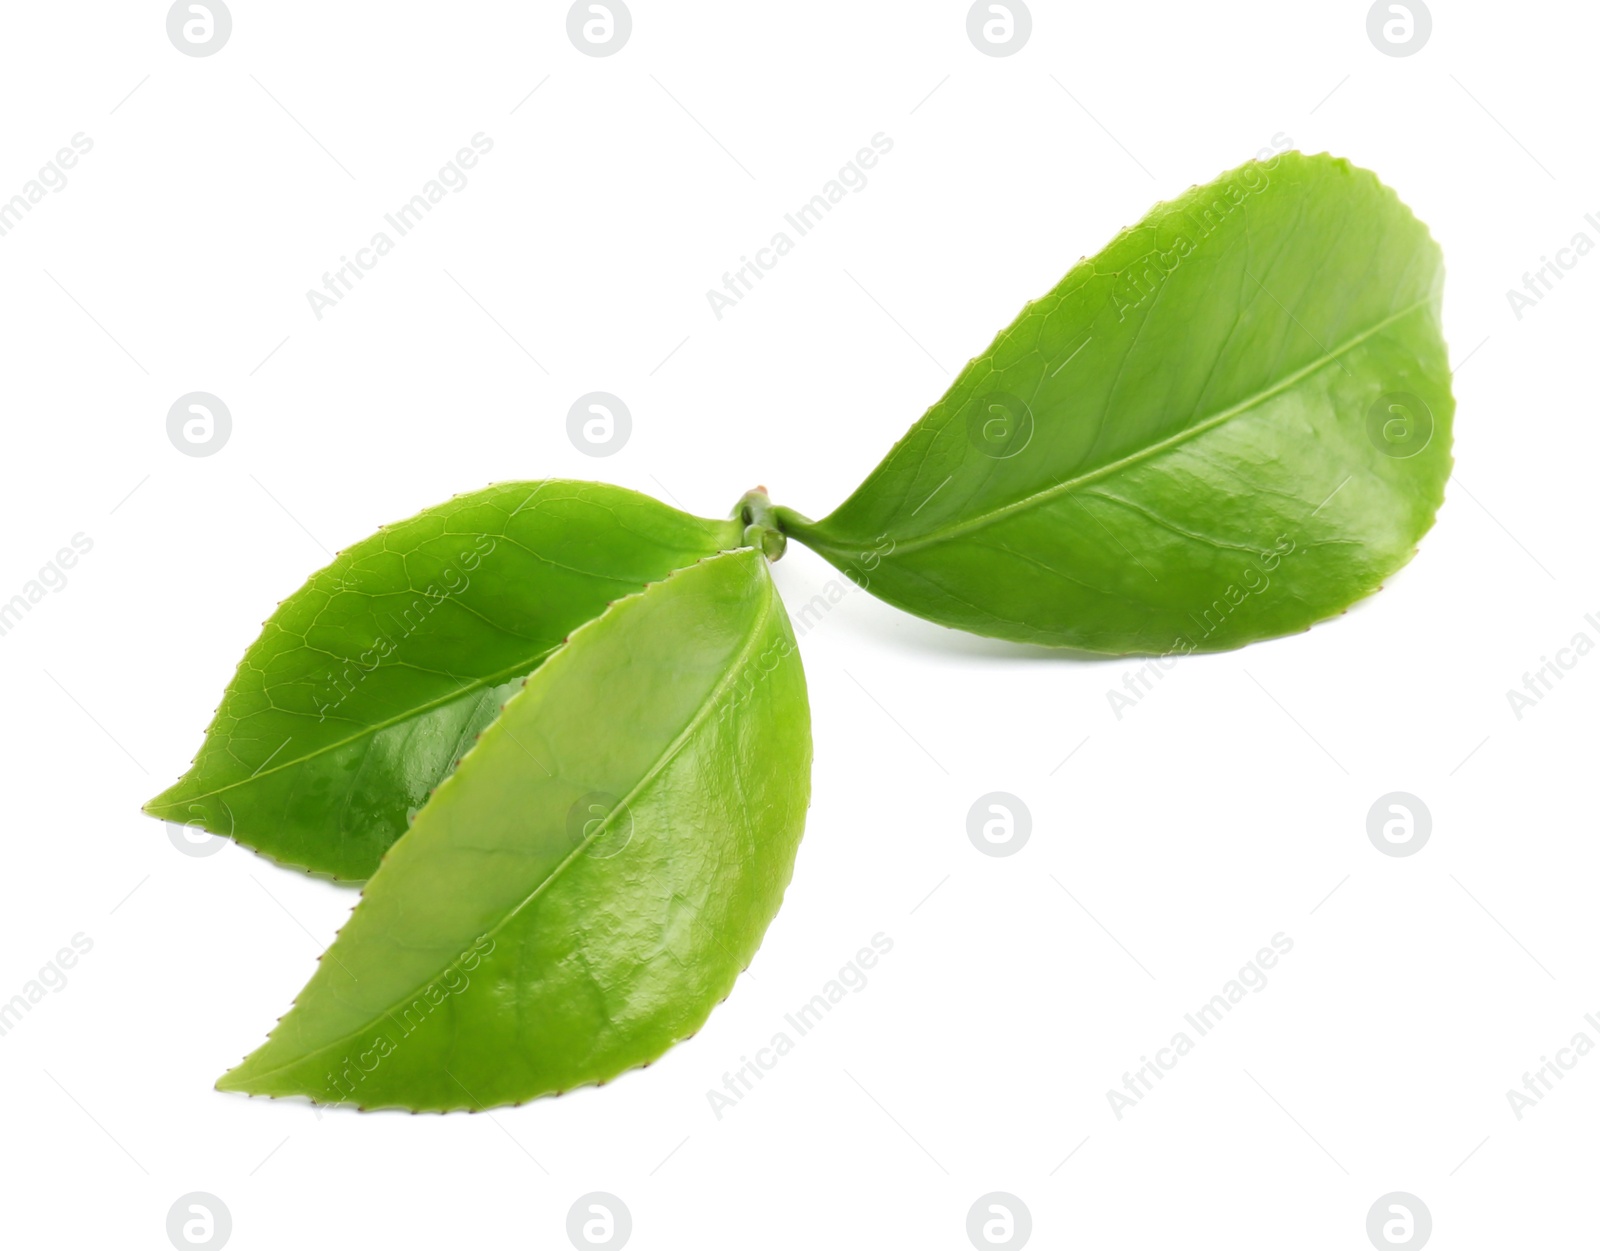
159	806
232	1083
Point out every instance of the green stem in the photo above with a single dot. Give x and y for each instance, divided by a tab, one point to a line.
761	526
791	522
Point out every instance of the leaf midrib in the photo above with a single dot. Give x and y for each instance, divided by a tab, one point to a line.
475	685
982	520
660	763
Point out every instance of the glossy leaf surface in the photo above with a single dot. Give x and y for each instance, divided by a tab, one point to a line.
368	683
1230	424
590	880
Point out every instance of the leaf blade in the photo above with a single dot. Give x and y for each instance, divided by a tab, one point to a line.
368	683
1143	496
686	703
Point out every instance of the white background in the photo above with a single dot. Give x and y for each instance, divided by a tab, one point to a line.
1229	805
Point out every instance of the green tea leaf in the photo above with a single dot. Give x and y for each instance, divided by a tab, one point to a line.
590	880
368	683
1232	423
